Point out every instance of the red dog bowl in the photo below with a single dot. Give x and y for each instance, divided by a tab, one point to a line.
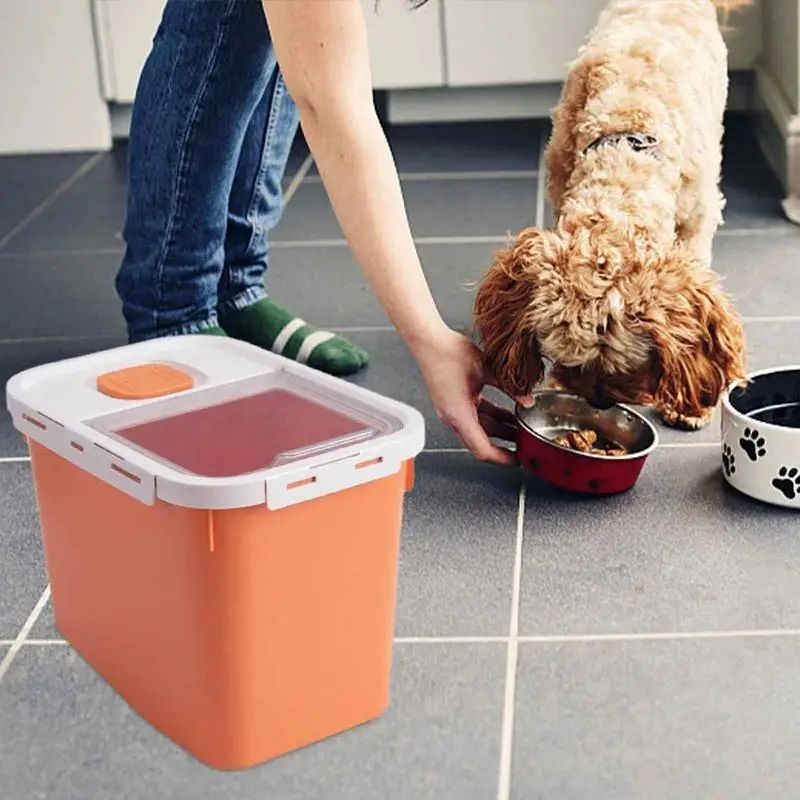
555	414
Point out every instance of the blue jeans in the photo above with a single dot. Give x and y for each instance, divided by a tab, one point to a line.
212	128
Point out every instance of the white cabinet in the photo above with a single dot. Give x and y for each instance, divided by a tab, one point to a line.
514	41
444	43
504	42
125	32
405	44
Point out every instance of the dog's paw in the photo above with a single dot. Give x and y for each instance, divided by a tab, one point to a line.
684	423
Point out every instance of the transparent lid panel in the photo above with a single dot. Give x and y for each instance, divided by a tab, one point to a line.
244	427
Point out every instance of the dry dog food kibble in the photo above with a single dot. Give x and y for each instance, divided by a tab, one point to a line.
585	441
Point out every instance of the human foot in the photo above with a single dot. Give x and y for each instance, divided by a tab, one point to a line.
271	327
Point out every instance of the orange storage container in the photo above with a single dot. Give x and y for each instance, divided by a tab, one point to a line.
221	528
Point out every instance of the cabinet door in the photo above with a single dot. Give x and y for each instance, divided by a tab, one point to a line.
514	41
405	44
743	33
125	32
532	41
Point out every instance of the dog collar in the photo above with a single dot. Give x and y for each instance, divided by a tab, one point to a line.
638	142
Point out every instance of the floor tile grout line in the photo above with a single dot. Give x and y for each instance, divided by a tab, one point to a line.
588	638
488	238
103	337
665	636
736	233
448	640
512	660
37	642
293	244
297	179
440	451
456	175
24	631
754	320
86	167
662	446
546	639
512	648
688	445
493	238
771	319
505	766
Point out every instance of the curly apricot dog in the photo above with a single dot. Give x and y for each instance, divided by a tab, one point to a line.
620	296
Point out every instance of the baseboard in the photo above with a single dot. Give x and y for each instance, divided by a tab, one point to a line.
465	104
777	127
120	120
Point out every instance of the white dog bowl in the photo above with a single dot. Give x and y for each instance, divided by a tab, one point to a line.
761	437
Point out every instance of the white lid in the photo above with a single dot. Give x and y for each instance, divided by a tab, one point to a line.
238	427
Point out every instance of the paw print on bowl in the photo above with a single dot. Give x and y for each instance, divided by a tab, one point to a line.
753	444
787	482
728	460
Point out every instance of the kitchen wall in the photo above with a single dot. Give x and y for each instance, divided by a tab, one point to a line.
69	68
50	95
778	97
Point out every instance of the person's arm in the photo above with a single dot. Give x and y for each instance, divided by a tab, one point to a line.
322	50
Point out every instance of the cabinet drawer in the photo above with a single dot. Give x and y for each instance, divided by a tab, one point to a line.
514	41
405	44
125	32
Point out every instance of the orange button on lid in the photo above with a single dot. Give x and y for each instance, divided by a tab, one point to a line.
144	382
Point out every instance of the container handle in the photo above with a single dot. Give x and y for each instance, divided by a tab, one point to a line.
297	486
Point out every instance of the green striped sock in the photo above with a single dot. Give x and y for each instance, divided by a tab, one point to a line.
268	325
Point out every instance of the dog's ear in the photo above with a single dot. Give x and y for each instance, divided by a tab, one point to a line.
506	312
698	335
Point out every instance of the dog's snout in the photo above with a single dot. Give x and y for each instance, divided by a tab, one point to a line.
601	404
600	399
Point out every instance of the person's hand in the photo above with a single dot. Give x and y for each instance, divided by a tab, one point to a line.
455	375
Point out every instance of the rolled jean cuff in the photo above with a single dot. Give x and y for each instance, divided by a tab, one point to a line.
243	299
186	329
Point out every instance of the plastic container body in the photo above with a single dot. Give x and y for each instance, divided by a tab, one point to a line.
241	633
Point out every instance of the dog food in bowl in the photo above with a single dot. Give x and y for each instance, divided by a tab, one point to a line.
587	441
761	437
568	443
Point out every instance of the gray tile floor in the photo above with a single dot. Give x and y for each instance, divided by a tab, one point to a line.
547	647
